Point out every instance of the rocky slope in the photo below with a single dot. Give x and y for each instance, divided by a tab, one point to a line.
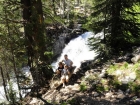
95	84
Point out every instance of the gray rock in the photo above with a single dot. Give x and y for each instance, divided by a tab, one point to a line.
136	58
108	95
59	45
137	100
95	94
102	75
120	96
120	91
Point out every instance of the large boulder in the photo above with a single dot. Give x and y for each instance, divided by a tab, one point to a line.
136	54
59	45
136	58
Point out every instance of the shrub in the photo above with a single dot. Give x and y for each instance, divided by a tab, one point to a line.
83	87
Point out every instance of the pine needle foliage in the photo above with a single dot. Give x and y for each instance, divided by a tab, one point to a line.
118	20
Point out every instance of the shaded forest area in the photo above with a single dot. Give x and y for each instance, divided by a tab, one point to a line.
29	29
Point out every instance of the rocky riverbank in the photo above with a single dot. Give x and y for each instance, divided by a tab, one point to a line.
94	84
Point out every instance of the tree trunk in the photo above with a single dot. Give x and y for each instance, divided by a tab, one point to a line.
35	38
26	16
116	5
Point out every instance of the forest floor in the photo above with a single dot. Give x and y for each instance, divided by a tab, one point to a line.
84	89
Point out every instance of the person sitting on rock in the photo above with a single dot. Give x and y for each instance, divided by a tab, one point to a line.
65	75
60	68
68	62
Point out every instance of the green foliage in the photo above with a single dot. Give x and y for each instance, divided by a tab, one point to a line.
90	78
112	69
118	20
100	88
122	67
115	83
138	73
125	69
125	65
48	54
134	87
106	88
136	65
83	87
99	46
72	101
104	81
64	103
46	70
4	103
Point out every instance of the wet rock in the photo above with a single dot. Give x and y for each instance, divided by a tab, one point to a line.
85	64
59	45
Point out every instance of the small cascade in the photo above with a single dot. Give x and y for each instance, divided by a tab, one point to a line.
77	50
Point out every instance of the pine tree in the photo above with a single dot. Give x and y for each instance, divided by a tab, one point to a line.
36	40
118	20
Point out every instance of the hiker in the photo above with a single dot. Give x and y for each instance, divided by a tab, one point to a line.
68	62
65	75
60	68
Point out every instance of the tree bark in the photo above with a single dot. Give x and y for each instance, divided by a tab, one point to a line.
26	4
35	38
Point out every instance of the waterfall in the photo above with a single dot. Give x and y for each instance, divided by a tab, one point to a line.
77	50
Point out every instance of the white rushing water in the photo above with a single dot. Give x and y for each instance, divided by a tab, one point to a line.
2	96
2	93
77	50
26	72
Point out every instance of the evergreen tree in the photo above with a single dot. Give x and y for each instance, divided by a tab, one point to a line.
118	20
36	40
10	40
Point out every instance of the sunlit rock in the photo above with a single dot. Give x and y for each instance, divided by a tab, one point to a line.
33	101
95	94
137	100
136	58
118	72
108	95
132	76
